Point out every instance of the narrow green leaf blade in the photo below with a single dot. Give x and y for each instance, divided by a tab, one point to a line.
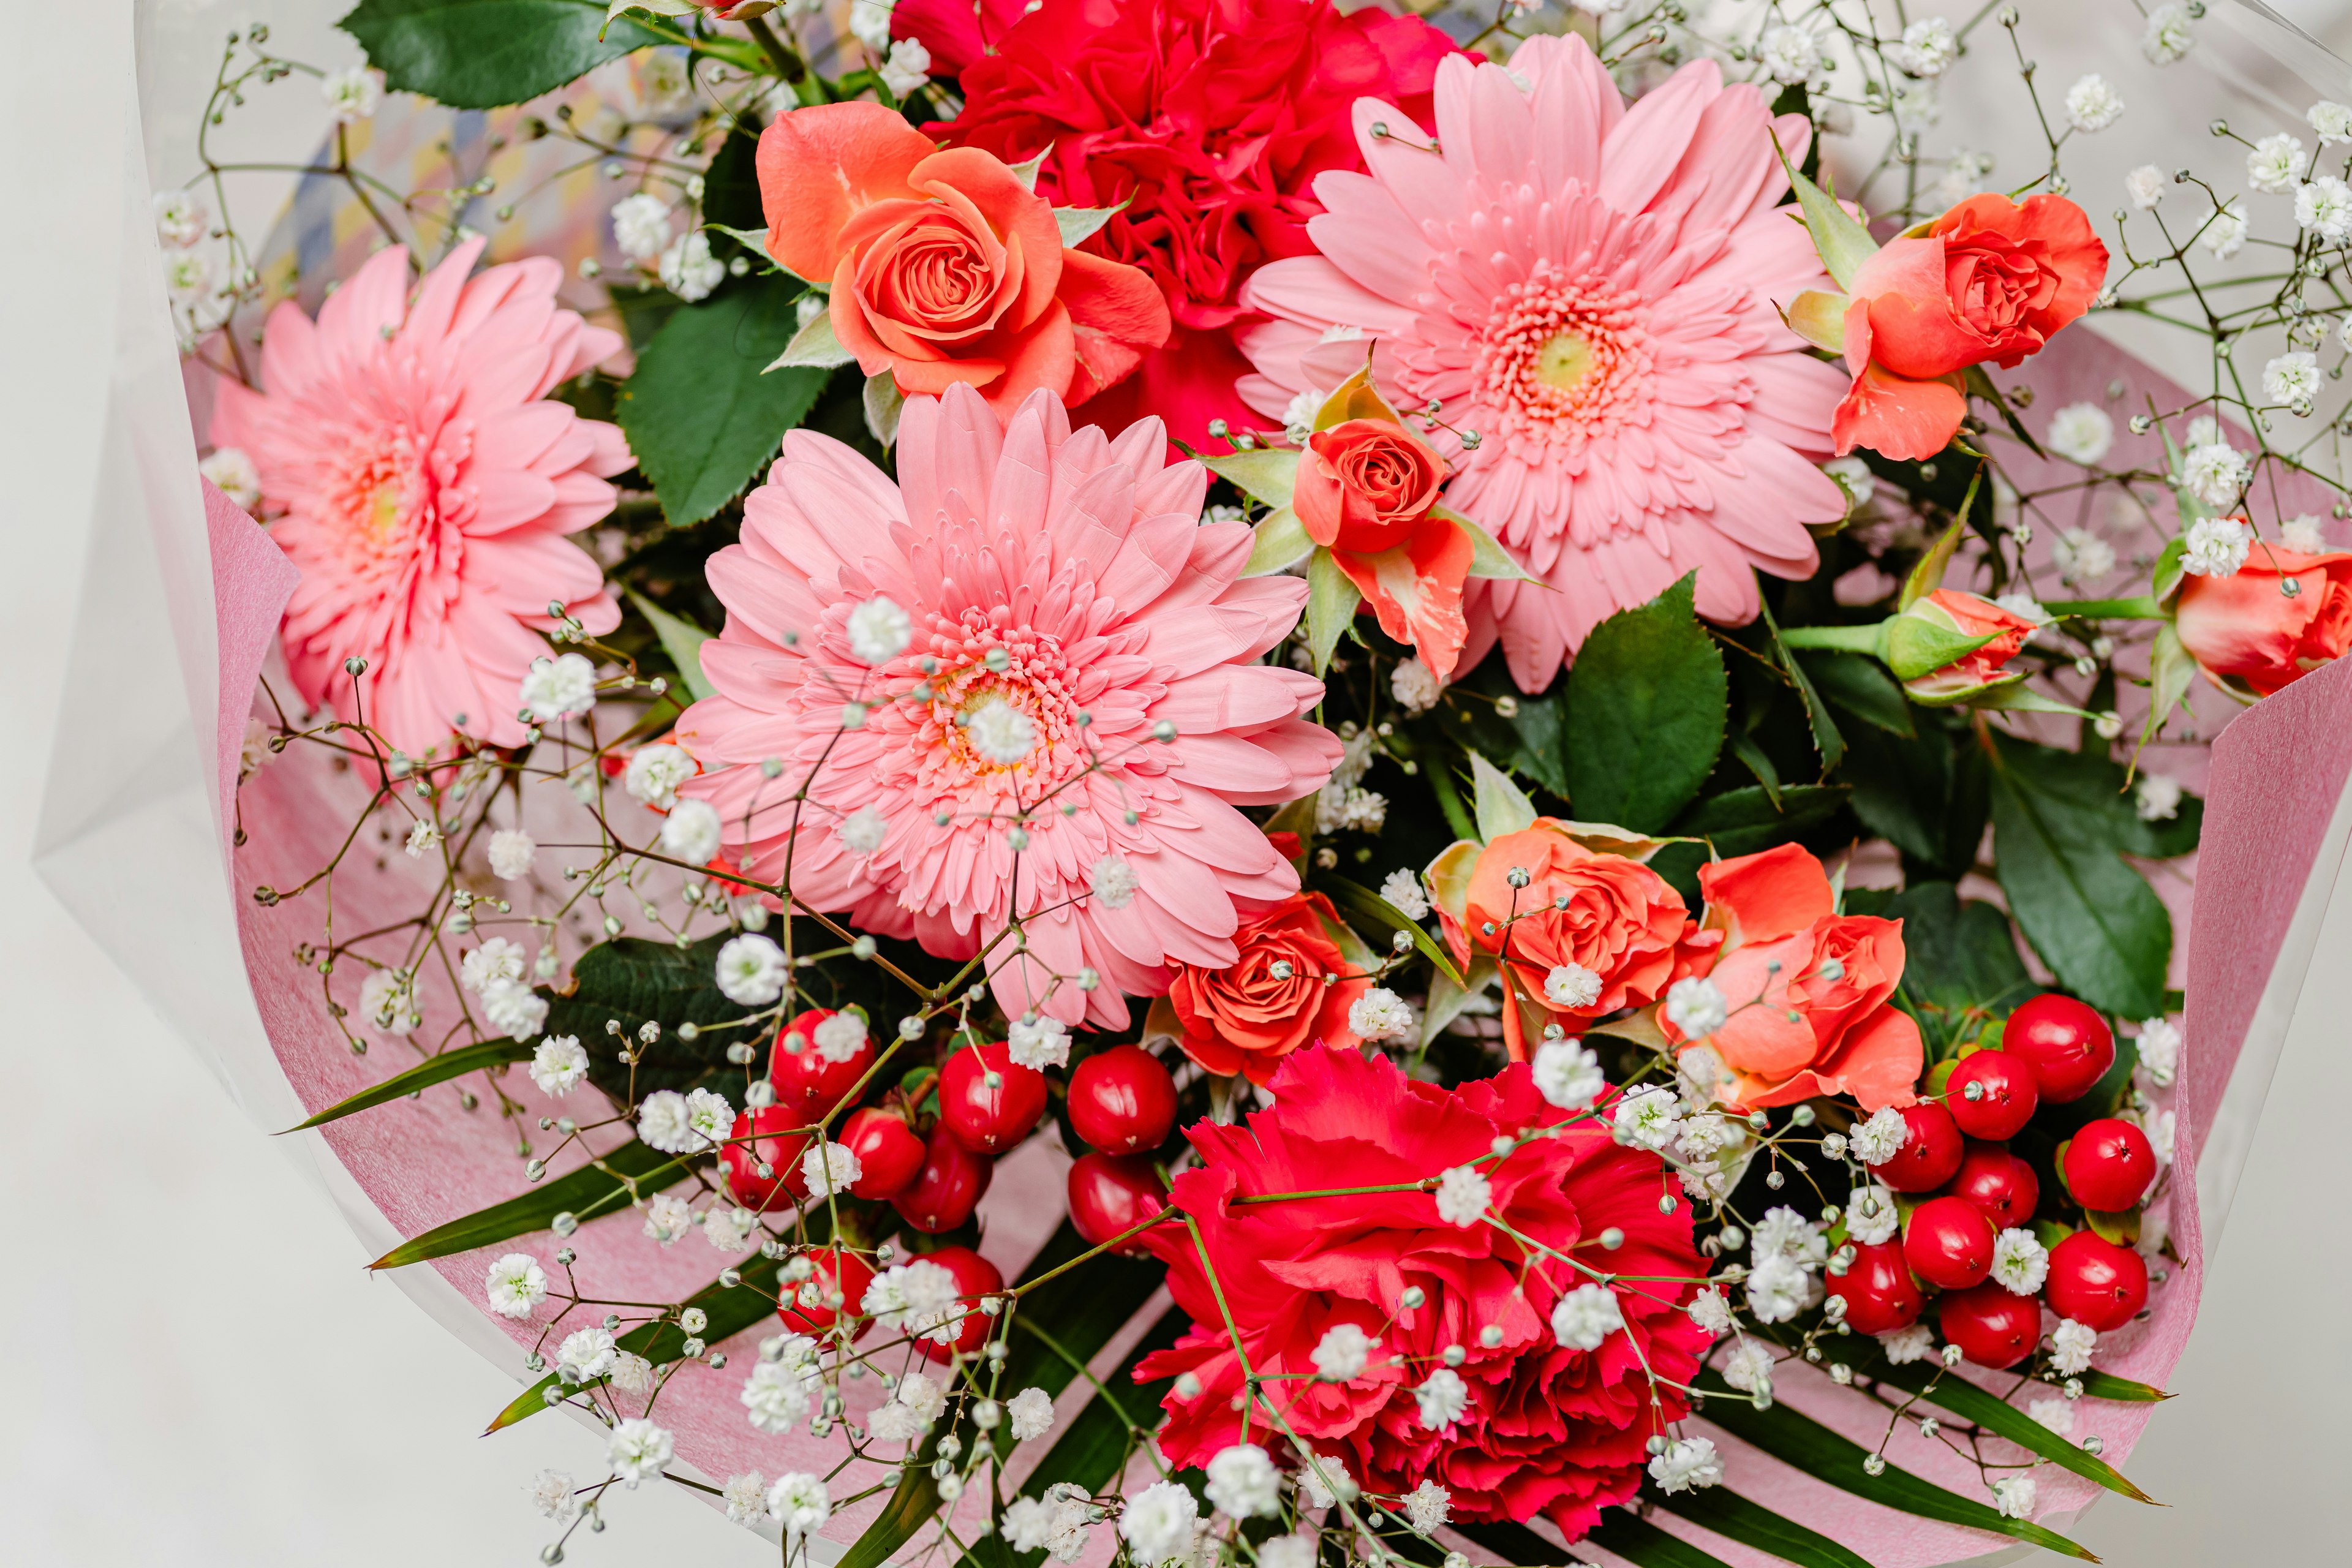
1844	243
1640	1542
484	54
1828	744
701	418
1806	1444
1733	1518
1647	702
1965	1400
1094	1448
681	639
597	1187
1357	900
1331	604
424	1075
1862	687
1514	1544
2107	1386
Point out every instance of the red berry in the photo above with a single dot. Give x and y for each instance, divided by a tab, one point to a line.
2005	1098
1122	1101
947	1188
1993	1328
807	1084
2109	1165
1928	1156
2002	1185
2068	1045
989	1117
1113	1194
766	1127
808	1306
1950	1243
2096	1283
889	1153
975	1277
1880	1294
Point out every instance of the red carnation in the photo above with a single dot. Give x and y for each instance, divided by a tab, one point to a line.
1210	119
1548	1429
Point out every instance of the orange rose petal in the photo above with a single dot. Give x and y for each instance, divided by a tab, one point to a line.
996	195
819	166
1905	420
1416	590
1768	895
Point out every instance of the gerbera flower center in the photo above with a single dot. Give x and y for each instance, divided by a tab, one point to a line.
1564	357
377	492
996	718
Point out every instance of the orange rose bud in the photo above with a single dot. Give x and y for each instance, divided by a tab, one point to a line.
1363	485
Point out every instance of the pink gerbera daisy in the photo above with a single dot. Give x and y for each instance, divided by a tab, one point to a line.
1589	289
1015	687
426	486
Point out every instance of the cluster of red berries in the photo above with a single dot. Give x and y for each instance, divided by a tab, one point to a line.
2053	1050
1121	1101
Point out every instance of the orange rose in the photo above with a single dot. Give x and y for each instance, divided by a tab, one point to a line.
1364	485
2247	630
1274	998
1587	934
943	267
1967	615
1808	991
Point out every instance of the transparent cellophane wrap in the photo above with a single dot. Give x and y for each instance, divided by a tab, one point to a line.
141	837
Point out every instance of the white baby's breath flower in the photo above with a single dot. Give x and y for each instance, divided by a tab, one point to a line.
559	688
516	1284
550	1493
745	1497
2168	37
2058	1414
1854	477
1000	732
906	69
2217	546
1881	1138
512	851
2325	208
1157	1522
631	1374
1927	48
2276	163
1463	1194
2145	185
234	475
585	1353
870	21
495	960
2081	555
1778	1289
1380	1014
1242	1482
1443	1397
1427	1506
864	831
1404	893
691	832
1689	1464
687	269
424	837
2013	1496
751	970
661	1122
641	226
1340	1355
2291	378
1415	686
1748	1368
1038	1042
1029	1413
188	275
1585	1316
352	94
1571	985
1870	1216
1650	1117
2224	231
1286	1552
1299	415
1710	1311
2160	1050
388	1001
1791	54
1112	882
1906	1345
1568	1075
919	1298
840	1037
2071	1344
799	1503
2020	1262
1696	1008
180	220
831	1168
2092	104
728	1229
879	630
2305	535
1324	1479
513	1009
667	1217
2331	121
777	1396
2082	433
655	772
559	1064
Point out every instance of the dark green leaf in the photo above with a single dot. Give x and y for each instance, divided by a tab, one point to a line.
1094	1448
634	982
731	188
1806	1444
482	54
430	1072
2061	827
1536	723
910	1508
1751	756
1862	687
1647	702
1640	1542
1514	1544
2107	1386
682	640
700	415
1742	821
1957	956
1828	743
597	1187
1925	795
1965	1400
1355	899
1733	1518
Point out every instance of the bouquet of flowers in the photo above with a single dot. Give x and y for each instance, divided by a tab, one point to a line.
1492	695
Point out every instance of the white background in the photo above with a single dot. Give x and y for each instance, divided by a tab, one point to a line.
199	1371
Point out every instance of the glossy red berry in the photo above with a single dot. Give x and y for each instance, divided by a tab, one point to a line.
1948	1243
1122	1102
1880	1294
1929	1155
975	1277
2067	1044
1992	1095
2109	1165
2095	1282
1113	1194
889	1153
1993	1328
769	1144
837	1284
946	1188
989	1101
808	1083
2002	1185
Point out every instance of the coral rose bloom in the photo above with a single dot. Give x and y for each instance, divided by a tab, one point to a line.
1548	1429
1592	289
1811	990
1367	489
1246	1016
1990	280
1062	600
944	268
2246	630
1611	918
426	486
1970	615
1206	122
